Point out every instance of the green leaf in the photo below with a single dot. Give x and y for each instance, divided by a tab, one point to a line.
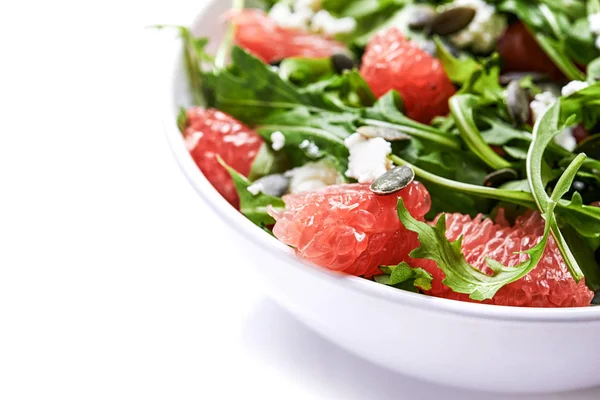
544	131
253	207
267	162
500	133
182	119
303	71
461	277
461	107
580	42
194	55
557	53
251	91
459	70
403	276
593	71
585	257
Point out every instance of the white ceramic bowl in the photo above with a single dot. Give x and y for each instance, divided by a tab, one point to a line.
474	346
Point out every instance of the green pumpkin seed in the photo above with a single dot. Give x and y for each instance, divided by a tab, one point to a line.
507	78
451	21
500	177
517	102
393	180
388	134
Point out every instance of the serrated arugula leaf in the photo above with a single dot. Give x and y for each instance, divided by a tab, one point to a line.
459	70
251	90
254	207
461	277
543	132
403	276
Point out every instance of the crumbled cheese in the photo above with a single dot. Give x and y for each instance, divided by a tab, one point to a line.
368	157
573	87
255	188
314	5
545	100
326	23
484	30
283	16
306	15
312	176
541	103
566	140
277	140
594	21
310	148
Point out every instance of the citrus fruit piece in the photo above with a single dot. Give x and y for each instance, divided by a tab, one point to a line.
393	62
261	36
210	133
548	285
348	228
520	52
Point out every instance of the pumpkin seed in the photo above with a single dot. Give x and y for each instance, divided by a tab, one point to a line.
388	134
393	180
342	62
421	17
507	78
517	102
500	177
590	146
451	21
273	185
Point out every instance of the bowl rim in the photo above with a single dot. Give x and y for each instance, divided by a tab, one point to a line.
366	287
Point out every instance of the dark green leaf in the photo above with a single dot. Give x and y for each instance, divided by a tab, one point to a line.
253	207
459	70
403	276
182	120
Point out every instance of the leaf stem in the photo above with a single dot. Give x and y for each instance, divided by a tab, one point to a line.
444	140
511	196
225	46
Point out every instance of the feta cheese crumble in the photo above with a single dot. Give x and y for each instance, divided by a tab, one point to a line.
323	22
573	87
594	22
255	188
277	140
545	100
484	30
312	176
310	148
368	157
307	15
540	103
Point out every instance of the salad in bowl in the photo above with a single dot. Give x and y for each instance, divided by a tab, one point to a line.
448	148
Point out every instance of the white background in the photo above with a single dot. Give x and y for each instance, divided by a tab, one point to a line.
115	281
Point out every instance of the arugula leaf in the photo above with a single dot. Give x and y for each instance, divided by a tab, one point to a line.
461	107
250	90
253	207
304	71
580	42
403	276
194	55
543	132
593	71
326	130
500	133
585	257
557	52
182	119
267	162
459	70
461	277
